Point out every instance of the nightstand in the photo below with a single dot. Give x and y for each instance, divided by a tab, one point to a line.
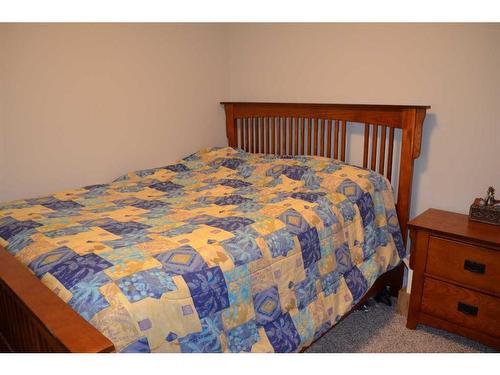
456	275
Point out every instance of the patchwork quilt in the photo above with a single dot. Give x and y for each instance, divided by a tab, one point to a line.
223	251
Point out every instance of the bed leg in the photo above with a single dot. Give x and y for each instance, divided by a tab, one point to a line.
395	282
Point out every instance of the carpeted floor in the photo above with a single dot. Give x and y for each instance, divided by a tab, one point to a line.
382	330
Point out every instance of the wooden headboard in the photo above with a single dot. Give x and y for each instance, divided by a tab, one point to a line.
321	129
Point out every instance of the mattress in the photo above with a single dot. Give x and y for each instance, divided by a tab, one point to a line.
223	251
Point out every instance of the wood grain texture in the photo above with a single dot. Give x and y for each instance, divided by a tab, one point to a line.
329	139
343	140
374	147
418	260
441	299
457	226
365	145
447	259
474	334
390	154
381	164
336	140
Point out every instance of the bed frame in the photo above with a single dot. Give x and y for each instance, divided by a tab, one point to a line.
33	319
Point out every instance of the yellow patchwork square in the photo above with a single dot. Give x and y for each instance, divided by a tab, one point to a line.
125	214
267	225
84	242
215	255
201	236
158	244
27	213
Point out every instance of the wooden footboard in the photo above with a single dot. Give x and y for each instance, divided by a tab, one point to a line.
33	319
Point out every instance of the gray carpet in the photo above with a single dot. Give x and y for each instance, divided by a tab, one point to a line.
382	330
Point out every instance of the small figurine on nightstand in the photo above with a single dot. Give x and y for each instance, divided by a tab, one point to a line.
486	210
490	197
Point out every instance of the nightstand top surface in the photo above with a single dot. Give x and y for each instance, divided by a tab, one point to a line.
457	225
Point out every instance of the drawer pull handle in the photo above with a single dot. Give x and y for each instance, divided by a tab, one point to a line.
475	267
467	309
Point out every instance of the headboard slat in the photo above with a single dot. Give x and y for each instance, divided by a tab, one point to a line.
381	165
390	154
300	129
344	138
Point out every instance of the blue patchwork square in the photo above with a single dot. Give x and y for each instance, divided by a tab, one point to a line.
350	189
326	214
66	231
279	242
148	205
343	259
308	196
243	249
347	210
150	283
119	228
127	239
305	292
232	163
56	204
311	249
77	268
294	172
267	305
231	200
330	283
20	241
165	186
234	183
294	221
10	227
282	334
229	224
206	341
139	346
208	290
356	283
46	262
87	300
181	260
243	337
177	167
366	209
370	243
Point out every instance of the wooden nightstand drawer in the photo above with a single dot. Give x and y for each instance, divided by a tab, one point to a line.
466	264
461	306
456	275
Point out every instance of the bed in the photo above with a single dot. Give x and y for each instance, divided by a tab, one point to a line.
261	246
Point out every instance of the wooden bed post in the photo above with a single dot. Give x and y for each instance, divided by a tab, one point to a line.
411	141
232	140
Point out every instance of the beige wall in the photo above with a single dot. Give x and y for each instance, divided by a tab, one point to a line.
454	68
82	104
